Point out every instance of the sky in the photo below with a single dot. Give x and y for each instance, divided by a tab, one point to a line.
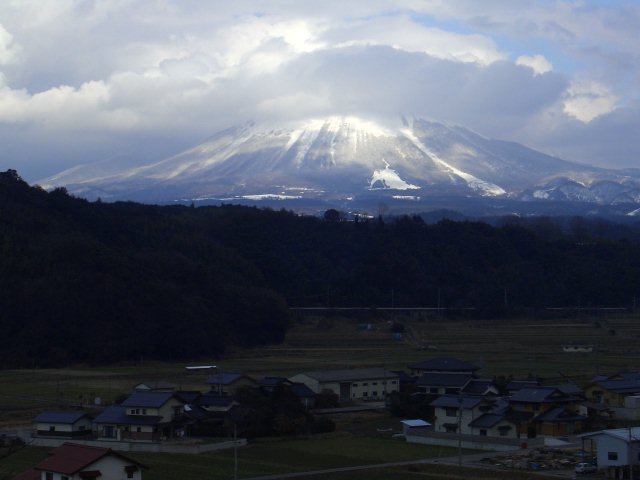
134	81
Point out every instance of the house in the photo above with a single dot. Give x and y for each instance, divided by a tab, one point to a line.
71	461
617	449
516	385
619	392
228	383
306	396
443	365
63	424
438	383
494	425
351	384
442	383
455	413
155	386
546	411
270	384
143	416
214	403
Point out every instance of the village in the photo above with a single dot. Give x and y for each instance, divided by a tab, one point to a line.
460	408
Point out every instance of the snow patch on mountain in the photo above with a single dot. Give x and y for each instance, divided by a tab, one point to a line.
477	184
387	178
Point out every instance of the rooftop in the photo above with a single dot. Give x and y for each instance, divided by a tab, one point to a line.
60	417
117	414
148	399
351	375
444	364
70	458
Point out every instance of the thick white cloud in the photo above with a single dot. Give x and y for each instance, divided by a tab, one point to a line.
588	100
537	63
88	79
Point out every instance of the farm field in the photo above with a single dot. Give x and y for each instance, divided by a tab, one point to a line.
288	456
499	347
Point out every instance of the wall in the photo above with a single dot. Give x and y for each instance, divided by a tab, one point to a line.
161	447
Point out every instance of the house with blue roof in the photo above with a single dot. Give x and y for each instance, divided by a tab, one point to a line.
143	416
228	383
76	424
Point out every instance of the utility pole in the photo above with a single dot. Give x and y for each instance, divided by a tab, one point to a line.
460	401
235	450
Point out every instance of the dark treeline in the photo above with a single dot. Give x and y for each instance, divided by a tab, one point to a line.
103	282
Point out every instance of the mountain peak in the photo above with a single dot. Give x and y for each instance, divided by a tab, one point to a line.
337	157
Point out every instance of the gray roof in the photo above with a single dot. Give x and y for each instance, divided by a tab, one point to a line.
214	400
559	415
148	399
117	414
443	379
487	420
224	378
61	417
478	386
351	375
515	385
627	434
448	401
444	364
539	395
300	390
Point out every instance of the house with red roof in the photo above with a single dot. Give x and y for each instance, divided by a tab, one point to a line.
72	461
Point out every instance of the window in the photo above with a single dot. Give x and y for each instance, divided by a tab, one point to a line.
365	384
138	429
450	428
374	394
393	382
483	432
451	412
365	394
374	383
64	477
144	411
433	390
504	430
48	476
355	384
52	428
82	428
612	455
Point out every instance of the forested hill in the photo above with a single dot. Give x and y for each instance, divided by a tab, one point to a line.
100	282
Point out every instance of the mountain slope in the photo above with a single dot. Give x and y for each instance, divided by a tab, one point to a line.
344	157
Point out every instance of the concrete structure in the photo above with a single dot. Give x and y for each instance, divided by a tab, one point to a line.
354	384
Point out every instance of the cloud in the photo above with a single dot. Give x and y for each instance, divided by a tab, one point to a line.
9	50
92	78
537	63
588	100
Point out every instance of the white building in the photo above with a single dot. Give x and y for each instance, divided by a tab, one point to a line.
618	450
352	384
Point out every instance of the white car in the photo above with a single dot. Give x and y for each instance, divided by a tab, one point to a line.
586	468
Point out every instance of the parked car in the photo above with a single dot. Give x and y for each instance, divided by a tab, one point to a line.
586	468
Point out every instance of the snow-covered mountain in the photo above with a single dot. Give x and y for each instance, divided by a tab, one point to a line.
346	157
